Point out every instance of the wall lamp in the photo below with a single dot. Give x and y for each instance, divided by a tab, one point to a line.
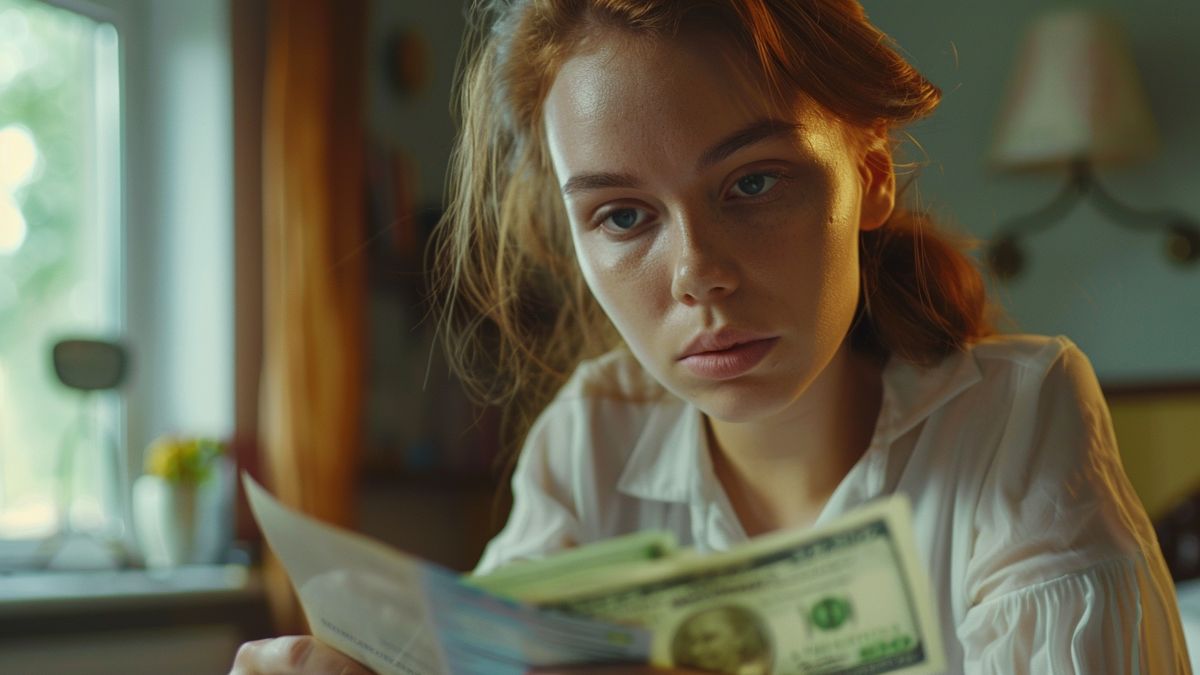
1076	104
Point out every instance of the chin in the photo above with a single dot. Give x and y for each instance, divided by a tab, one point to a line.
739	402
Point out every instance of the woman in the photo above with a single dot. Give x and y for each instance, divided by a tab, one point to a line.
689	207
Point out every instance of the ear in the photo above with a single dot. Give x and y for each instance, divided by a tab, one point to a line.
878	181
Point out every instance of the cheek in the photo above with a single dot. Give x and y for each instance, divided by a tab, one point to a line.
834	262
627	281
804	248
808	270
829	248
611	280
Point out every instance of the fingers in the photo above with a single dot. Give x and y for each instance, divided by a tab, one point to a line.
306	655
293	655
612	670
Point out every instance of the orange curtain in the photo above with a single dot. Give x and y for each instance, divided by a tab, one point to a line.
313	263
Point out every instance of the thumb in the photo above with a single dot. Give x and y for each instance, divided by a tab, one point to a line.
295	655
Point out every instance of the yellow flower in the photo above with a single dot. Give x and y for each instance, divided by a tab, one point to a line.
182	460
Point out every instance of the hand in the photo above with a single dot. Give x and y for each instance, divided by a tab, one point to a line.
613	670
294	655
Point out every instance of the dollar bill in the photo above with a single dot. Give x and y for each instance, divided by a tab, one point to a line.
847	598
565	571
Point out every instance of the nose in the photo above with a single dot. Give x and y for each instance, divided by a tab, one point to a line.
705	270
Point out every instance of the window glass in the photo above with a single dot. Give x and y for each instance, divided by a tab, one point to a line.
60	266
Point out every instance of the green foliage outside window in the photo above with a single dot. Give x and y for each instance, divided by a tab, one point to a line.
59	244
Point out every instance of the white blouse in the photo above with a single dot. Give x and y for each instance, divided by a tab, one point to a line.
1041	556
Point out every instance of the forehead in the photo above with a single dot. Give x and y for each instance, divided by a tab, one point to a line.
657	94
646	69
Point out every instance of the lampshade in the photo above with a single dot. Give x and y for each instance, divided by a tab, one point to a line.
1075	96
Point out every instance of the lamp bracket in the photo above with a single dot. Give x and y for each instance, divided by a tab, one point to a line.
1005	257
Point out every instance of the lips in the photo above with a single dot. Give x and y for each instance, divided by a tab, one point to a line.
726	354
720	340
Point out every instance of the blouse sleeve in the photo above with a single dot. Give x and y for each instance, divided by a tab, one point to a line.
1095	620
1066	575
542	519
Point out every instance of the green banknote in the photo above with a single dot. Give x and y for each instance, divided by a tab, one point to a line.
848	598
562	572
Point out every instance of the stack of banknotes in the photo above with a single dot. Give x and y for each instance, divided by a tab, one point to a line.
849	597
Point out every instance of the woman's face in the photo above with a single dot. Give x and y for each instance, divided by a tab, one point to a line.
719	232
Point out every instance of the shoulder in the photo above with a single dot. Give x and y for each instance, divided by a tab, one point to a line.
1016	376
1024	354
1037	401
1044	384
564	484
615	376
588	431
607	390
1010	416
1053	497
975	390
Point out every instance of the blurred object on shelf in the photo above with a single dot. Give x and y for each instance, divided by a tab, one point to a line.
392	214
406	61
182	506
91	534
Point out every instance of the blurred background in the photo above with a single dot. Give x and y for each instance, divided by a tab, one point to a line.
212	221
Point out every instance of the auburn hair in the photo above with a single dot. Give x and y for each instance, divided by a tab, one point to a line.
515	316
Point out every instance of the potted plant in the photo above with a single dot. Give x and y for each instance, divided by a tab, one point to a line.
167	498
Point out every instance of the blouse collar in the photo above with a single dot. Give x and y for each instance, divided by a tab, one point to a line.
670	462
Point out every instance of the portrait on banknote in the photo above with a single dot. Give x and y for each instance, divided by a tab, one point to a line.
729	639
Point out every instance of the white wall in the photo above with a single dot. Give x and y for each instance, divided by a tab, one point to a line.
1109	289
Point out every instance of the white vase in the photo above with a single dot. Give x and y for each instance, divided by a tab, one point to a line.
165	517
181	525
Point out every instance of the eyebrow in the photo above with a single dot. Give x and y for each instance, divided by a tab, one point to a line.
752	133
598	181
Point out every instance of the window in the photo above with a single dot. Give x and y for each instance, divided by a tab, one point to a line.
60	263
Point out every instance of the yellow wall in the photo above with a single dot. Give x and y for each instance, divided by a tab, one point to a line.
1159	437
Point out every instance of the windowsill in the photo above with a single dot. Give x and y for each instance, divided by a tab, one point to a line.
69	601
25	592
